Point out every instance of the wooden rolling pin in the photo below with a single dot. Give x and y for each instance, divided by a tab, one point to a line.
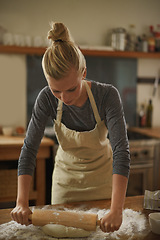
86	221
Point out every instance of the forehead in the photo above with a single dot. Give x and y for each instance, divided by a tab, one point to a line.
64	83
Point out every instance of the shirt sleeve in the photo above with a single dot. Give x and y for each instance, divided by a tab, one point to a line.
35	132
117	130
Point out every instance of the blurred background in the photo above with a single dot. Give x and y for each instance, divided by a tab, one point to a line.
123	28
91	23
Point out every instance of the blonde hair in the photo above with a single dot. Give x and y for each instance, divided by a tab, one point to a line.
63	54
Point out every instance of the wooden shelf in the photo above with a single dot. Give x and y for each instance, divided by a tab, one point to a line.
22	50
120	54
87	52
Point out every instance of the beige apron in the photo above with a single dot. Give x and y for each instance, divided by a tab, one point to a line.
83	163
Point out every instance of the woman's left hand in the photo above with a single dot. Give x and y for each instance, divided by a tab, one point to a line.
111	222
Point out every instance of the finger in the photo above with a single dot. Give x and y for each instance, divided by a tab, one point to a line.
20	218
106	227
26	214
14	215
25	221
25	218
102	227
29	220
114	228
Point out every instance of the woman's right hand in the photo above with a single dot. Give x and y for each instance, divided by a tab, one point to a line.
20	214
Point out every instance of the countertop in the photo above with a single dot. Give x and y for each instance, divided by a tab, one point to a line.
6	141
10	148
151	132
134	203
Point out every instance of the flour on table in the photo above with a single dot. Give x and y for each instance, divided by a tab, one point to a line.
134	226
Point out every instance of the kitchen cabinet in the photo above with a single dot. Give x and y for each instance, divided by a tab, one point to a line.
87	52
10	148
134	203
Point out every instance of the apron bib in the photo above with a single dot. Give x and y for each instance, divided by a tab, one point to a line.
83	163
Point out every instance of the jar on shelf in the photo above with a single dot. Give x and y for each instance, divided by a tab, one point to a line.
113	39
144	43
118	39
132	38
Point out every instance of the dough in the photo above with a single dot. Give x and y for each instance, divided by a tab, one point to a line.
60	231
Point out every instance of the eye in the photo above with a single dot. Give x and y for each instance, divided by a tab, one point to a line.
72	90
55	91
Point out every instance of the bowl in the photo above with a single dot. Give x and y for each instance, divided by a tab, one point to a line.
7	131
154	221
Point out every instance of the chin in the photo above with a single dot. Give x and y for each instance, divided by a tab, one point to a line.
68	103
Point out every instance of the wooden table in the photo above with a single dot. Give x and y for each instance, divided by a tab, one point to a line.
134	203
10	148
153	132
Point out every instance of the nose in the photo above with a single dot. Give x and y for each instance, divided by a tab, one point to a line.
64	97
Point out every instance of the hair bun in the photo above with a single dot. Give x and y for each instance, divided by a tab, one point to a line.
59	33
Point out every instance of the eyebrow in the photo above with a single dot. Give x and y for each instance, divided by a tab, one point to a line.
54	90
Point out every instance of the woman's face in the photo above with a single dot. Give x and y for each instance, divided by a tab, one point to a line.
68	89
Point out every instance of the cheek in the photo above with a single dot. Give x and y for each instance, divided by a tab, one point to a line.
78	90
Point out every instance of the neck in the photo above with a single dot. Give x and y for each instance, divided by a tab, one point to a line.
83	97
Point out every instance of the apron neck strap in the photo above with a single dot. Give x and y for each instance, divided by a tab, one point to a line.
59	111
93	103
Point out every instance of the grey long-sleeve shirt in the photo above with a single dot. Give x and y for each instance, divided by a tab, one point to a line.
110	108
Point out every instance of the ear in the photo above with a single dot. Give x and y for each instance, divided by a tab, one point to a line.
85	73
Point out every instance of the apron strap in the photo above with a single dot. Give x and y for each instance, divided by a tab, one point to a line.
93	103
59	111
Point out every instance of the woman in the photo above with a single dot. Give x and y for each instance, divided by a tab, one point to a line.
84	112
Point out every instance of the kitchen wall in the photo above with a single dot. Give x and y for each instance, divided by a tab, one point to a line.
12	90
149	68
90	21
